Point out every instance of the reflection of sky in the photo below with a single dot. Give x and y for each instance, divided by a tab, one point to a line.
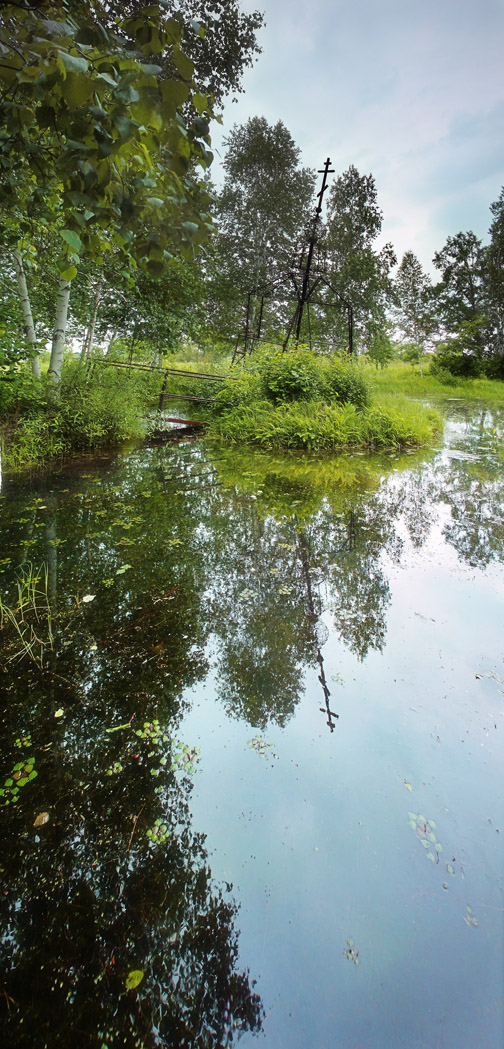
316	841
413	93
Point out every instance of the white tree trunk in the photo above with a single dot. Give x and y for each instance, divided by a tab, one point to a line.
29	326
59	333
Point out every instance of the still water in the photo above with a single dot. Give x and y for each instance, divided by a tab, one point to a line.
264	701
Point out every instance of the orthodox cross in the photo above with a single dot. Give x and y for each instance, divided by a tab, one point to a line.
304	294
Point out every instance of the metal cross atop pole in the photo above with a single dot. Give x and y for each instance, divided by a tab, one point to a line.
305	292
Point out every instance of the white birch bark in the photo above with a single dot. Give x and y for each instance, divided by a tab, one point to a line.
24	299
59	333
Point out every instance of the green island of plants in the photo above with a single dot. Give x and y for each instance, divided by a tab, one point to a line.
303	400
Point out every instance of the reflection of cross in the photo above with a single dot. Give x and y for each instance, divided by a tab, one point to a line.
323	682
305	564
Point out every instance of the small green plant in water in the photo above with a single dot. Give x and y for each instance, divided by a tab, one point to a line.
159	833
258	744
424	829
114	769
469	918
182	756
28	623
22	773
351	952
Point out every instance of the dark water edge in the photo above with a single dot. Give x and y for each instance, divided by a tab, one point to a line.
323	864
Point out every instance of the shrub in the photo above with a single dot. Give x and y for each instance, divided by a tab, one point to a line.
241	390
494	367
463	365
291	376
345	383
103	409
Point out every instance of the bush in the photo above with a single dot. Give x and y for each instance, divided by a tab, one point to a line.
442	374
345	383
303	375
240	390
102	409
291	376
463	365
494	367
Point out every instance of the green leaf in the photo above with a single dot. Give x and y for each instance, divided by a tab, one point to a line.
133	979
124	125
72	239
73	63
199	102
182	64
69	274
150	70
76	90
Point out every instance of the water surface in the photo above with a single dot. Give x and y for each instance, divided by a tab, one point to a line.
323	864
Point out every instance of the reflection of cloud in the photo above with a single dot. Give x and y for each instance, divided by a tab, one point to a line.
412	93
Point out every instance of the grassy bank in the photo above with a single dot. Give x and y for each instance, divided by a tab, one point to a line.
300	400
403	378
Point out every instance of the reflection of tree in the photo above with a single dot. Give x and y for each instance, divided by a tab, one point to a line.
476	500
92	900
87	897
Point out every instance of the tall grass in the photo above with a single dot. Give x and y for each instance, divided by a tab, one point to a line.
400	377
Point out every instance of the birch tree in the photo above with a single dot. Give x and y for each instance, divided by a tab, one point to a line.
88	116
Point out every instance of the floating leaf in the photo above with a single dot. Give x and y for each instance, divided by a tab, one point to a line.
425	843
133	979
438	847
43	817
408	785
412	824
430	856
59	713
450	869
122	569
412	816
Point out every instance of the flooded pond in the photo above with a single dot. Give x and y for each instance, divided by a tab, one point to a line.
252	748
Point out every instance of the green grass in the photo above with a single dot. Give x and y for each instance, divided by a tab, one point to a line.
316	425
404	378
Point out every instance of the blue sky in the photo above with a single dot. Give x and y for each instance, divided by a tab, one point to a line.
409	90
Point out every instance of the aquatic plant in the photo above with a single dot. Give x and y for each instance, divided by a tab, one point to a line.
28	623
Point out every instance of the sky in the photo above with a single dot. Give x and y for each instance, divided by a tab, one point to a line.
410	91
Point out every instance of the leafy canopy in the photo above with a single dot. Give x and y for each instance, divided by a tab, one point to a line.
92	130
